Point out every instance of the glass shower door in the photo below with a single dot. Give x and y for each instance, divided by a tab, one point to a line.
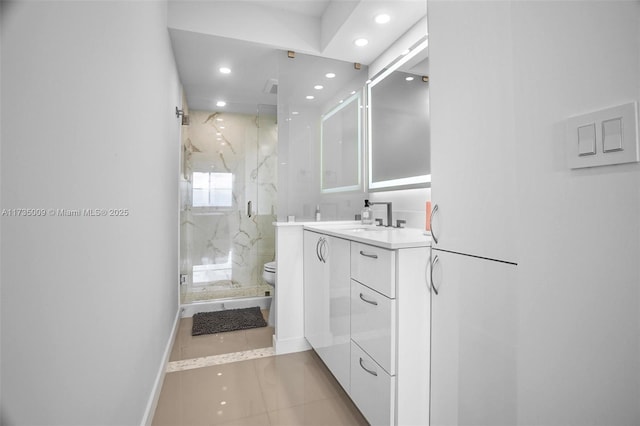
221	226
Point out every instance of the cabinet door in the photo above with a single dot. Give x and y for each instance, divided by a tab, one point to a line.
327	300
315	294
472	138
473	341
335	352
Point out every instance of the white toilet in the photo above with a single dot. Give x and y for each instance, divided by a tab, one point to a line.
269	275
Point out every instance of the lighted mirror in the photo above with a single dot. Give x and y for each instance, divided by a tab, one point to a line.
398	124
340	146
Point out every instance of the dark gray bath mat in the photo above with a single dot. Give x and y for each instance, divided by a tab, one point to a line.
227	320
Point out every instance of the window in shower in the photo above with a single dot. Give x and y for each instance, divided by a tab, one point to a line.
212	189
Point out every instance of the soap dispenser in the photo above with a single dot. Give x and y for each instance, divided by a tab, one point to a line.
366	214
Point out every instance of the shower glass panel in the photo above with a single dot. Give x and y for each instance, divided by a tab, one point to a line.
228	196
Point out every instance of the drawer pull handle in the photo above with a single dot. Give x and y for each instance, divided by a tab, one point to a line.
371	302
373	373
373	256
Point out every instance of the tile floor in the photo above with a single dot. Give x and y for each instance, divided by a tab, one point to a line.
293	389
187	346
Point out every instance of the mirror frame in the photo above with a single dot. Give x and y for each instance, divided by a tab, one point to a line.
422	181
357	97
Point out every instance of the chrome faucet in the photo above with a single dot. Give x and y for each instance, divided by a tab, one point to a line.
388	204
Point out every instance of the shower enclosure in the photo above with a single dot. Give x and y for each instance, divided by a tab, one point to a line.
228	198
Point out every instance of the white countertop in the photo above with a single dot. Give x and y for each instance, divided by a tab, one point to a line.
328	223
389	238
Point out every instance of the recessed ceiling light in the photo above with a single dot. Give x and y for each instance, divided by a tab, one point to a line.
361	42
225	70
409	78
318	87
310	97
219	119
353	92
405	52
383	18
221	103
294	113
330	75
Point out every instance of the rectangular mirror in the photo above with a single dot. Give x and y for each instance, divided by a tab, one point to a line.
341	137
398	124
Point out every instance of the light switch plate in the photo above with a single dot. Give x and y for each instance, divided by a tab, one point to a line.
605	137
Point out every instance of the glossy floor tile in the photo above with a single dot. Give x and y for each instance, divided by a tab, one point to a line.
187	346
293	389
234	378
294	379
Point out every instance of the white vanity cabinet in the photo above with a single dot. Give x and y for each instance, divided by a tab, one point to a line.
326	301
390	321
373	332
386	278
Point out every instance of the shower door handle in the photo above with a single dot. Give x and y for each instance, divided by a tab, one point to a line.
249	209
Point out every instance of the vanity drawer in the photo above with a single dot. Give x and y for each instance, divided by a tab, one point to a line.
375	267
373	325
372	389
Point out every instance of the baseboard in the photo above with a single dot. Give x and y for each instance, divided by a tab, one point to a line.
297	344
157	385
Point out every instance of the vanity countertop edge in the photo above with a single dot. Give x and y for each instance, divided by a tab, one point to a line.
387	238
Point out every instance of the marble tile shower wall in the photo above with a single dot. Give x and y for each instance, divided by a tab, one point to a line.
223	249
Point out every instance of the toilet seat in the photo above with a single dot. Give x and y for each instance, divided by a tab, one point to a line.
269	276
269	273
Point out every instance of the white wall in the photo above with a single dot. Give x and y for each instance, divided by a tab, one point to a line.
579	353
406	41
88	303
407	204
2	6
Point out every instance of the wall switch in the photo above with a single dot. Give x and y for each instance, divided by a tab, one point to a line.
605	137
612	135
587	140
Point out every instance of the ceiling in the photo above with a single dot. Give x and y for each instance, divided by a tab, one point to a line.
250	37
